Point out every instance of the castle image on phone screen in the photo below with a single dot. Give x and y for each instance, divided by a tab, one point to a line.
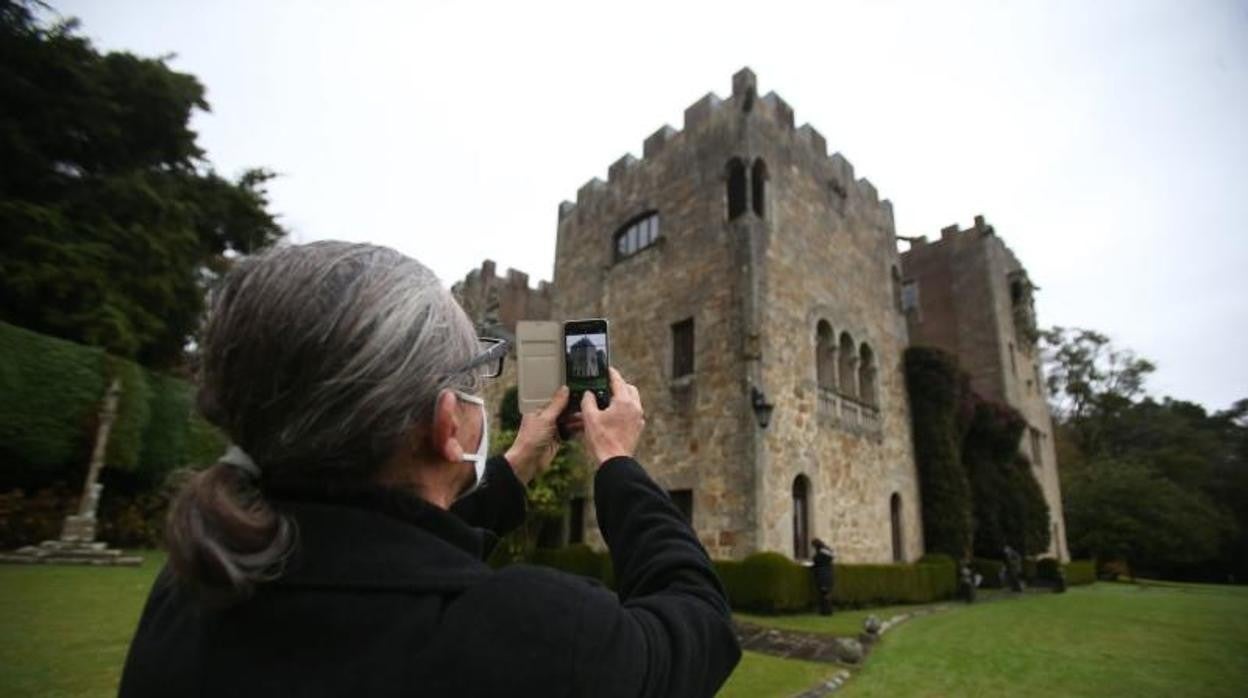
586	356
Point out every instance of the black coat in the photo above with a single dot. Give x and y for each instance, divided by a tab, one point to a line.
386	595
822	568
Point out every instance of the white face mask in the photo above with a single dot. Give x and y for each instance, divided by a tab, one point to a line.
478	458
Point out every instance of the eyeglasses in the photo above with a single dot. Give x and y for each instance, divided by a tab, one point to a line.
488	363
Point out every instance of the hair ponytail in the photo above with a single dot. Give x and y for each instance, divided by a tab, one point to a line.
223	536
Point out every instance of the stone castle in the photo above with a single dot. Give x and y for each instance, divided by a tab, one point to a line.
758	300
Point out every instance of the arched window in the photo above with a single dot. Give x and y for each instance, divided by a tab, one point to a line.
636	235
825	355
896	275
866	374
736	188
801	517
848	383
894	506
759	178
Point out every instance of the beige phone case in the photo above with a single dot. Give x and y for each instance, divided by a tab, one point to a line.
539	353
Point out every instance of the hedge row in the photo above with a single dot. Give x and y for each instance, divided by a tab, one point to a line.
1080	572
772	583
50	395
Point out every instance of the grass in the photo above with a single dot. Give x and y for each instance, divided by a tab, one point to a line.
1103	640
65	630
761	675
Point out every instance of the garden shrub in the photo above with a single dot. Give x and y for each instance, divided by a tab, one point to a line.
878	584
30	518
49	394
125	439
1080	572
577	559
768	583
1046	568
990	570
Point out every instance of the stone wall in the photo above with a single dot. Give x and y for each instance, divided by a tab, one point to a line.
755	287
966	306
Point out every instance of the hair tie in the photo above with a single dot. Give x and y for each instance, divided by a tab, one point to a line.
236	457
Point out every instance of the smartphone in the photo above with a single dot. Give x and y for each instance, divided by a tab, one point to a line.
587	356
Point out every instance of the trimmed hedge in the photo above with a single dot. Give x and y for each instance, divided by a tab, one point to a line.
49	393
990	570
577	559
767	583
125	440
1080	572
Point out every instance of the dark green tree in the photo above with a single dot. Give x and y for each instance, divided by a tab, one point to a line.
938	392
1008	505
113	219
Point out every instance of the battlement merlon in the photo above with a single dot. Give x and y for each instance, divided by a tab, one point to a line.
744	97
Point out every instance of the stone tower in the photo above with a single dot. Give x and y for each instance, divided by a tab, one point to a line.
969	295
740	267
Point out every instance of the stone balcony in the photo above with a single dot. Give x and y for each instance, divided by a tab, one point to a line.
848	413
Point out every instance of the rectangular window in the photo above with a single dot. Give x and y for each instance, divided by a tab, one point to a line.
910	296
576	520
683	499
682	348
1037	454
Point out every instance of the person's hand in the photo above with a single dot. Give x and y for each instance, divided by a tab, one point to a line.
538	439
614	431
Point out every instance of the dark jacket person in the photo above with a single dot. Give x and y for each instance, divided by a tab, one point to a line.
336	550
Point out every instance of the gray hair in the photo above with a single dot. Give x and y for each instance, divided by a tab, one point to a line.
316	360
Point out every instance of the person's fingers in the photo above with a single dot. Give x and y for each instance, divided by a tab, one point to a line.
618	384
557	402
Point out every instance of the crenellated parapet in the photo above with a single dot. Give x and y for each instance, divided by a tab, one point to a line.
837	172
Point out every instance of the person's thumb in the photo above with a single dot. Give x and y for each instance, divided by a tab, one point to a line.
589	405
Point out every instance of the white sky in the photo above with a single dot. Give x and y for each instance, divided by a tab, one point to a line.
1106	141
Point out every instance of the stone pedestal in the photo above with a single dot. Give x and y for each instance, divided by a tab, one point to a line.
77	545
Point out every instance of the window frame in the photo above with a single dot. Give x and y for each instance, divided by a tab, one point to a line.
638	234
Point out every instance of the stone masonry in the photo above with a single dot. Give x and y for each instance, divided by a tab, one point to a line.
787	266
993	337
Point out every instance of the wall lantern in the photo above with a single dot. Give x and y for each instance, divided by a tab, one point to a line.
762	408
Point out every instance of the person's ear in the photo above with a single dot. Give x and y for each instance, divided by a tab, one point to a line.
444	432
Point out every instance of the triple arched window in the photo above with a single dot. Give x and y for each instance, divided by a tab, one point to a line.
844	366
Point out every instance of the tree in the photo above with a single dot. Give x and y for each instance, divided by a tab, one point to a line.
938	391
1159	484
113	220
1008	505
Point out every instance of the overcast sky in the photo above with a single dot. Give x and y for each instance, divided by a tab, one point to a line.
1106	141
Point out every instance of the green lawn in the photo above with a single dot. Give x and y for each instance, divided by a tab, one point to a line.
1103	640
759	675
64	632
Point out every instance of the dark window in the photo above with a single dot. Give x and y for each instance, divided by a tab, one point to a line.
896	278
894	506
825	356
910	296
683	499
801	517
636	235
736	188
760	186
576	520
682	348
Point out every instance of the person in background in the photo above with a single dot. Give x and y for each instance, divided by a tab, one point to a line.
338	547
822	569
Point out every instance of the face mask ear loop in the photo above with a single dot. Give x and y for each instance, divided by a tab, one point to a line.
477	459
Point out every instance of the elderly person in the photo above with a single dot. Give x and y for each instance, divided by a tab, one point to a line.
337	548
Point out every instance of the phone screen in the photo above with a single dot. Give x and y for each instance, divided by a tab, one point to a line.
587	357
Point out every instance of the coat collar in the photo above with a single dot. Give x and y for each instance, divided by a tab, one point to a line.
380	539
